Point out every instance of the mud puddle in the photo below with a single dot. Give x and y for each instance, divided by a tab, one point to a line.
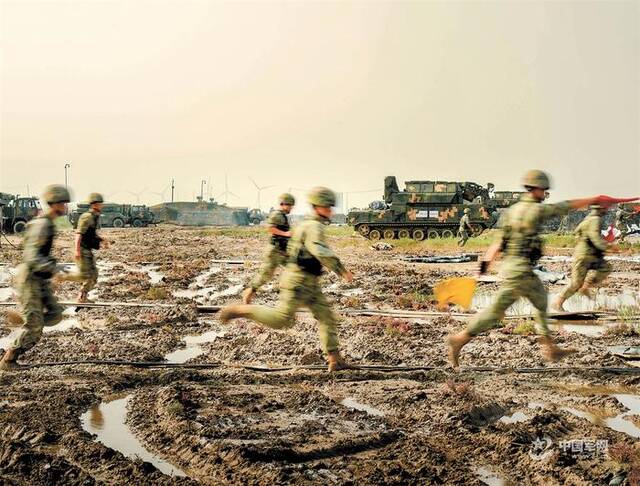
70	321
192	349
487	476
514	419
108	422
363	407
619	423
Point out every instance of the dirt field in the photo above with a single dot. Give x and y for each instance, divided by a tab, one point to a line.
85	424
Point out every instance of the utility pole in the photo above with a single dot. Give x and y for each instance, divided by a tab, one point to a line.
66	166
172	189
202	183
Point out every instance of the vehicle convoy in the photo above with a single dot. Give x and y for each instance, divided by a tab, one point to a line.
117	215
427	209
16	212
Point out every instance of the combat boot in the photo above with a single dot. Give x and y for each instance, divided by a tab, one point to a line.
456	344
13	318
247	295
552	352
9	360
336	362
233	312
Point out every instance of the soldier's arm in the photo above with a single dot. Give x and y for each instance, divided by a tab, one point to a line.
35	239
593	232
83	225
315	242
275	219
562	208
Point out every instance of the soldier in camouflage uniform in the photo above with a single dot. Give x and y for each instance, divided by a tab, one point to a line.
521	244
39	305
87	240
589	266
276	255
465	223
621	222
300	282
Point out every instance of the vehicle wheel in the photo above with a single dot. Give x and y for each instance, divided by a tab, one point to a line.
418	234
255	221
389	234
118	223
136	223
374	234
447	234
19	226
477	230
404	233
432	234
363	229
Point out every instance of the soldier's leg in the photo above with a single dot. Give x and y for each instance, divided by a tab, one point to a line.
491	316
32	309
53	313
537	295
578	275
327	320
280	317
89	272
598	275
272	259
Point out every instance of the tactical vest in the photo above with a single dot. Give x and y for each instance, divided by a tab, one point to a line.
306	261
281	242
90	239
45	250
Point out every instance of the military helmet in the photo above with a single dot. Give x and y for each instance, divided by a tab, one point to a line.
466	210
95	197
56	193
538	179
596	207
322	196
287	198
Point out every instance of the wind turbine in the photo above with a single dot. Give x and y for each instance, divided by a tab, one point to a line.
162	194
138	194
260	189
227	192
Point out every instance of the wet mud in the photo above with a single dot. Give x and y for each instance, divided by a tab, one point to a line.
88	424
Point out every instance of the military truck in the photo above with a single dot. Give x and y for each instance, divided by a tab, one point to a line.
117	215
16	212
426	209
256	216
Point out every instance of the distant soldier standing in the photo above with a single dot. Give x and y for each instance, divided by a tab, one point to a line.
621	222
465	223
87	240
39	305
276	255
300	283
589	266
521	244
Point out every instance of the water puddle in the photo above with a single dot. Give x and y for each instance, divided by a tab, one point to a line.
565	258
7	341
488	476
108	422
514	419
70	321
619	423
193	348
6	294
351	403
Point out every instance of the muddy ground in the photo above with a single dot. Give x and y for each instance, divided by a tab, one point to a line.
231	425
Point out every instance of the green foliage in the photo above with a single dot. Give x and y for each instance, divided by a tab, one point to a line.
525	328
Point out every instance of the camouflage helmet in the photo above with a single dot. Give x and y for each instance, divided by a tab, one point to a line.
56	193
287	198
466	211
95	197
322	197
537	179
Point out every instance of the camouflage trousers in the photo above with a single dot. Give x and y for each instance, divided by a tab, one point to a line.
463	236
588	271
299	289
514	286
273	259
622	227
88	271
39	307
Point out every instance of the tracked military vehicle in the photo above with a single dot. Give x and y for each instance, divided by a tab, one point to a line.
426	209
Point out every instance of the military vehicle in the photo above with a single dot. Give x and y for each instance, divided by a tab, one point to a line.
426	209
16	212
256	216
117	215
201	213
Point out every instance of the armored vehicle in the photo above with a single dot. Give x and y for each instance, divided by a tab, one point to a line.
117	215
201	213
16	212
425	209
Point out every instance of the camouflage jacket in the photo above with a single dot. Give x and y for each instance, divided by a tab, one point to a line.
87	227
520	230
38	242
590	241
465	223
309	250
278	219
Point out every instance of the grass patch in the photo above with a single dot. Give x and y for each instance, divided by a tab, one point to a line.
525	328
156	293
628	313
621	329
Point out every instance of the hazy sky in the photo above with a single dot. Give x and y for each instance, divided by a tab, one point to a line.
294	94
